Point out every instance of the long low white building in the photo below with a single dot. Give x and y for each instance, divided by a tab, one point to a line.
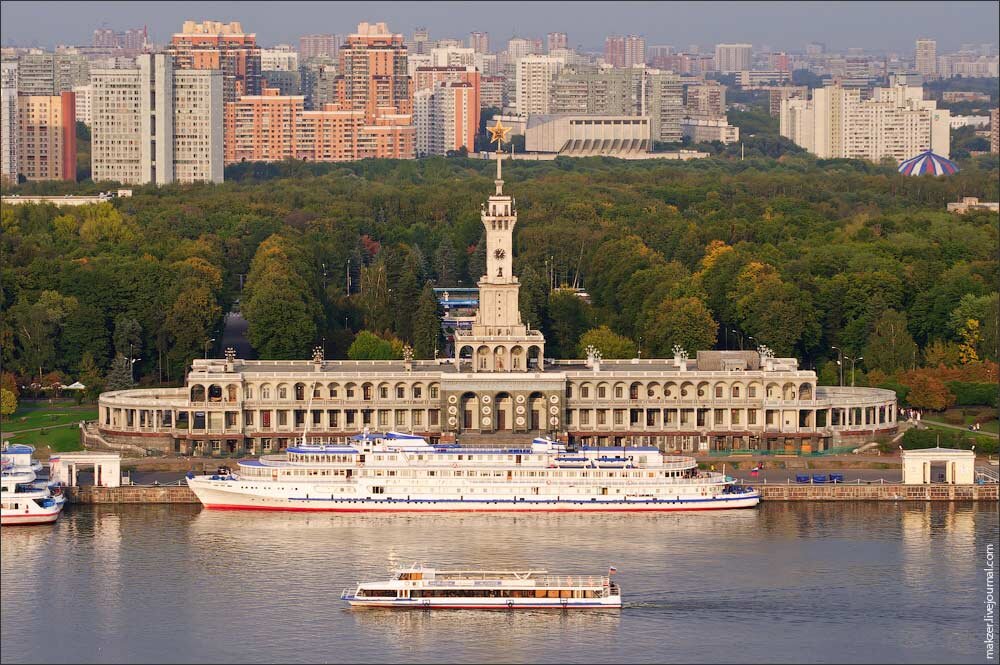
588	135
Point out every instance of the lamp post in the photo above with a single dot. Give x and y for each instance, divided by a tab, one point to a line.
740	335
640	347
852	367
131	367
840	364
207	342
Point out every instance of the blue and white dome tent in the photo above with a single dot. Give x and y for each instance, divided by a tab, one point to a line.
928	163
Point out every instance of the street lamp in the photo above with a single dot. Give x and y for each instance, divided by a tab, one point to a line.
640	347
852	367
131	367
740	335
207	342
840	364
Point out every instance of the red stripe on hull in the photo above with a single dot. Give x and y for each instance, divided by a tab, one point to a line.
221	506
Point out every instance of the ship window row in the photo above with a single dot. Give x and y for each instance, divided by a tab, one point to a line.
496	593
393	473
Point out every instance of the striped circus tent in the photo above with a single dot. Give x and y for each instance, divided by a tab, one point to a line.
928	163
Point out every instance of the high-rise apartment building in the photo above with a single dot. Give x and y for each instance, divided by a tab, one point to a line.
625	51
663	104
479	42
732	57
426	78
555	40
491	92
995	131
535	74
8	120
282	58
157	124
84	95
705	99
419	43
778	94
46	131
895	122
446	117
318	46
133	39
926	58
220	46
48	74
452	56
633	91
374	79
518	48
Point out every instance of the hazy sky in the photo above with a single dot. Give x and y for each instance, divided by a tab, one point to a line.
788	25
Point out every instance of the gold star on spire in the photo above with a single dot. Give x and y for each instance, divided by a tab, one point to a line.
498	133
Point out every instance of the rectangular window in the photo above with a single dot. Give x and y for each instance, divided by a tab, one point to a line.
383	417
602	416
434	392
418	418
333	415
751	416
349	417
418	392
383	392
734	415
282	418
585	392
601	392
584	417
400	392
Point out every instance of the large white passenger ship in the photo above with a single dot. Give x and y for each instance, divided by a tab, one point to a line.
395	472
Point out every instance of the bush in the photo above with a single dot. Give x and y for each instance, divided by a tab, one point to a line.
973	394
915	439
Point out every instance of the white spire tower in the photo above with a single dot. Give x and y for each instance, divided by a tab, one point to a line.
499	341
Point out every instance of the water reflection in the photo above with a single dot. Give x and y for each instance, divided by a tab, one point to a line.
821	582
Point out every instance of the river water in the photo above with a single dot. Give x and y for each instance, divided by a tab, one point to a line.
802	582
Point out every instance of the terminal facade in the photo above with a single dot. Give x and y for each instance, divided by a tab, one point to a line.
499	389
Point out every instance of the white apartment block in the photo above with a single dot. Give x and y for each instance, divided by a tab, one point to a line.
707	130
452	56
732	57
926	58
534	82
279	59
8	121
896	122
445	117
133	110
84	95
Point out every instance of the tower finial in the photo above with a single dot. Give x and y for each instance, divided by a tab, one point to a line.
498	134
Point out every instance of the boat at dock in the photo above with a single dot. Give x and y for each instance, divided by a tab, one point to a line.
395	472
428	588
25	500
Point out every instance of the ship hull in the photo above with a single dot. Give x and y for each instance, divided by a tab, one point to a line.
484	604
223	497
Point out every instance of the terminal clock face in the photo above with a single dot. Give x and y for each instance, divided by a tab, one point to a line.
499	253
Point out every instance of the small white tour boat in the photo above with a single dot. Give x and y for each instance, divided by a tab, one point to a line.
23	500
428	588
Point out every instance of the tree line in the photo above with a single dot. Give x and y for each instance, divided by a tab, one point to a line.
795	253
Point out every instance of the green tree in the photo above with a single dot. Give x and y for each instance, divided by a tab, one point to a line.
8	402
609	343
683	321
476	267
533	297
890	347
375	302
120	374
369	346
776	313
445	263
569	317
90	376
37	326
128	333
427	324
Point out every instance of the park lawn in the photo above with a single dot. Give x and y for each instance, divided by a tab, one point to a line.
977	436
30	415
967	419
58	439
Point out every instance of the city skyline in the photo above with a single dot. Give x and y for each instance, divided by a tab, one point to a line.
783	26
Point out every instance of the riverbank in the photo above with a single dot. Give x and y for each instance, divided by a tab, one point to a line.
769	492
